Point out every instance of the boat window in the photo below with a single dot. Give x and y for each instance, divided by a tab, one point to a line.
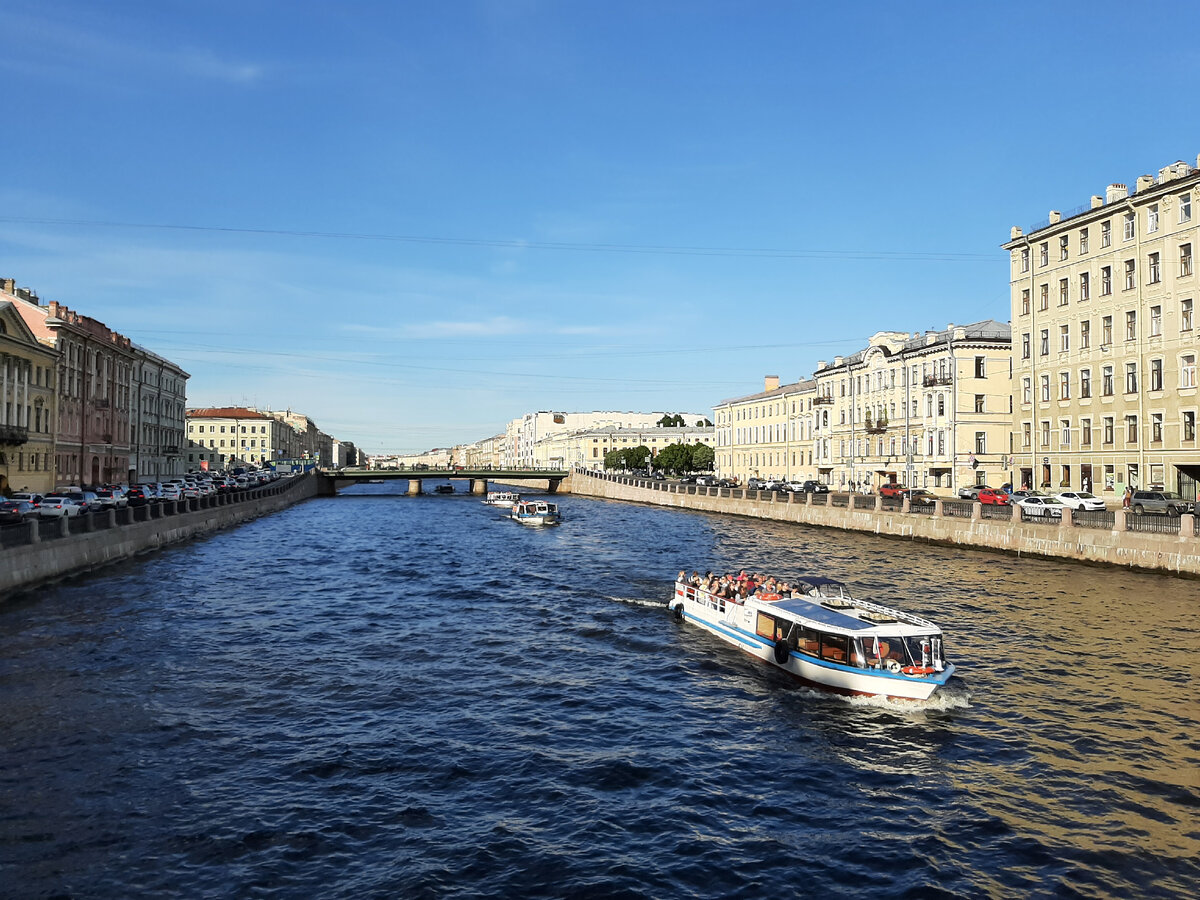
857	655
809	641
833	647
765	626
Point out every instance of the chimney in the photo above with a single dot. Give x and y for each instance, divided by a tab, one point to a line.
1097	201
1145	182
772	383
1115	192
9	285
1055	217
1014	233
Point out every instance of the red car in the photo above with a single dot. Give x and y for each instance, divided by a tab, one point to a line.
994	496
892	490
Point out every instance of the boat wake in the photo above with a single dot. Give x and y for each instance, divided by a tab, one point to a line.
638	601
950	697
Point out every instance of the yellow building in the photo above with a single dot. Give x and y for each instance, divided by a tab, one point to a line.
588	446
28	405
1103	301
768	434
929	410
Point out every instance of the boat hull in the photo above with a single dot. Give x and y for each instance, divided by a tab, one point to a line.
734	624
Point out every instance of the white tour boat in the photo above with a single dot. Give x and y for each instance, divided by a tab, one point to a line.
501	498
827	638
535	512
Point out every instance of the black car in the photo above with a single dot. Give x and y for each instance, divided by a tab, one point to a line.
136	495
14	512
813	487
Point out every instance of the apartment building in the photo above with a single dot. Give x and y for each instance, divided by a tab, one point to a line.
1103	300
588	446
235	435
930	410
159	422
768	434
28	402
523	434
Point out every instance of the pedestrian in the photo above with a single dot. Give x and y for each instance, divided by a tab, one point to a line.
1128	498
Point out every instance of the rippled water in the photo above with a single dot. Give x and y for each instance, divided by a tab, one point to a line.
383	696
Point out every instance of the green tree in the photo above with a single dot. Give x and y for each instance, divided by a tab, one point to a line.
703	457
674	458
637	457
666	421
678	421
614	459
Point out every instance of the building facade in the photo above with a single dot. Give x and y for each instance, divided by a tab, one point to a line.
230	436
523	434
159	409
929	410
768	434
1103	301
588	446
28	403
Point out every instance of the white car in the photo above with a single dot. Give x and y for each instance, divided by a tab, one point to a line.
171	491
1041	506
1080	500
56	506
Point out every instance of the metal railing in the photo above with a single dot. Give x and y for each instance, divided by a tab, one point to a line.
995	511
1095	518
1036	518
957	509
840	500
1151	523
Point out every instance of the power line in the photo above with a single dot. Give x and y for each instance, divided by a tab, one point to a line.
760	252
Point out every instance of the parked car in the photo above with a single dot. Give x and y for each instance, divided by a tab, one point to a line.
659	476
1164	502
757	484
54	506
1041	506
813	487
918	497
891	490
993	497
35	499
14	512
1080	500
706	480
172	491
136	496
111	498
688	479
971	491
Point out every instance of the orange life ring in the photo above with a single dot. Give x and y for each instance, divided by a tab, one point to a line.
769	598
917	670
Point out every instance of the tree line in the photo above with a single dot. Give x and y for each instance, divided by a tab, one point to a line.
673	459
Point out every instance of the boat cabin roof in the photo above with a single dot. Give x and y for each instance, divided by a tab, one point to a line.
815	612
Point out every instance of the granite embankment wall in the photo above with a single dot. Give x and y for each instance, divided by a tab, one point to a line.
53	549
1175	553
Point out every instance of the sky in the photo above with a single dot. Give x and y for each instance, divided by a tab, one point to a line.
417	221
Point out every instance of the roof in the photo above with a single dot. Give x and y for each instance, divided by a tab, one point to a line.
797	387
226	412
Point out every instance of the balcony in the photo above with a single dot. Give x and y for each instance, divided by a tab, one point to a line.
100	403
936	380
171	451
13	435
822	401
878	426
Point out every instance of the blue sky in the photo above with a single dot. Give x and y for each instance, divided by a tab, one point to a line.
415	221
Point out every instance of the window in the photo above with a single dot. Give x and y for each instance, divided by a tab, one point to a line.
1106	331
980	442
979	399
1064	385
1185	260
941	405
1185	316
1045	388
1085	383
1044	301
1156	421
1064	338
1025	435
1131	384
1044	253
1129	226
1130	274
1155	321
1131	325
1187	370
1106	381
1045	342
1025	302
1189	426
1025	345
1131	429
1064	292
981	367
1085	432
1062	247
1024	259
1156	374
1155	268
1105	281
1083	241
1085	286
1152	218
1064	433
1185	208
1026	391
1085	334
1105	234
1109	430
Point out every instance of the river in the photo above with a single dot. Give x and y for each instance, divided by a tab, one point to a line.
376	695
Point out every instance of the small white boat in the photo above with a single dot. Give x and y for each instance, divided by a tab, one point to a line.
502	498
535	512
826	638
